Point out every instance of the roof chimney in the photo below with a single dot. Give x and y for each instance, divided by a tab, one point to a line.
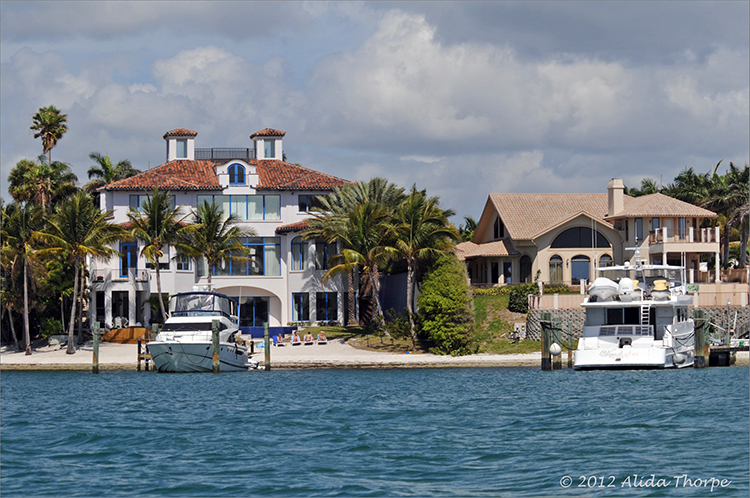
616	196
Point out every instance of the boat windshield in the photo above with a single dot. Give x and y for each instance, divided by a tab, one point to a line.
199	304
647	274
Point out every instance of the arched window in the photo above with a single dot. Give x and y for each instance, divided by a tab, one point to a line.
605	261
525	269
579	237
299	254
236	174
579	268
555	269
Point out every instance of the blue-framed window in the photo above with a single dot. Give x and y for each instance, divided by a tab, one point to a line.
183	262
136	201
323	253
326	307
306	202
247	207
236	174
128	257
265	259
269	148
300	307
299	254
253	311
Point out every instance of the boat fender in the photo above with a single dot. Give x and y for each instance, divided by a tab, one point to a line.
679	358
555	349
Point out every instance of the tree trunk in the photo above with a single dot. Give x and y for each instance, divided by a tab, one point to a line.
158	291
377	311
743	245
350	277
409	299
13	330
81	291
71	324
26	332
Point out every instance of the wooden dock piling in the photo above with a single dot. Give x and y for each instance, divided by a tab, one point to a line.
546	333
556	339
267	345
701	340
216	358
95	359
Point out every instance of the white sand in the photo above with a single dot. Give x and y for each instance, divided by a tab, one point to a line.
335	354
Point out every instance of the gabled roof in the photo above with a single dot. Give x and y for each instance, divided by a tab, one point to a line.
181	174
504	247
181	132
268	132
185	174
658	205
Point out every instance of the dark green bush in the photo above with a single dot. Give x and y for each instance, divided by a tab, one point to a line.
519	297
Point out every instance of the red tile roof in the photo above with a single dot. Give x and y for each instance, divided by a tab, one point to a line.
268	132
292	227
280	175
181	174
181	132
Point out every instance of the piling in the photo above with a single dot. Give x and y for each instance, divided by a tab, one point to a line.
570	344
701	342
216	359
267	346
95	359
556	339
140	355
546	326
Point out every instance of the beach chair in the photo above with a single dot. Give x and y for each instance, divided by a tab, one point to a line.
277	343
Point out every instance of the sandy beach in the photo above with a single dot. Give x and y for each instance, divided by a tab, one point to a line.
335	354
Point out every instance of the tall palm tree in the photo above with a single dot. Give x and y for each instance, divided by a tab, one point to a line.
79	229
19	239
158	226
422	230
41	181
467	229
49	125
214	237
104	172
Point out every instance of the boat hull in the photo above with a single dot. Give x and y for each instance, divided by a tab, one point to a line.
628	358
175	356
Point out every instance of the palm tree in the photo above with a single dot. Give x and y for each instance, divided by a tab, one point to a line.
422	231
158	227
41	181
19	241
648	186
467	229
104	172
214	238
79	229
50	125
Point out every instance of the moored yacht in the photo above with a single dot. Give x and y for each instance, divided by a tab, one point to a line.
644	324
185	342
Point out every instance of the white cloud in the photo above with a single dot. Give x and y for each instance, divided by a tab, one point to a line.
421	159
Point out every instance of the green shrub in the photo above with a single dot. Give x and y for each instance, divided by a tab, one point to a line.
557	289
397	324
51	326
445	308
491	291
519	297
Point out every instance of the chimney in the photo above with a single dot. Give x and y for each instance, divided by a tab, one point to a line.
616	196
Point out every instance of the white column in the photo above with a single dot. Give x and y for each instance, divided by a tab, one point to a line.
132	307
107	308
718	268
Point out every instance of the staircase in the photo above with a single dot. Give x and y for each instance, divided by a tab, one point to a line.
645	312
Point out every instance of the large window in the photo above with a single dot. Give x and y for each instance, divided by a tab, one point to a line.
326	307
323	254
682	228
525	269
306	202
236	174
580	237
299	254
253	311
247	207
605	261
579	269
265	259
499	229
555	269
184	262
639	229
128	258
300	307
137	201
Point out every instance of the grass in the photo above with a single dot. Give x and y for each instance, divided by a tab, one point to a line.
494	325
361	338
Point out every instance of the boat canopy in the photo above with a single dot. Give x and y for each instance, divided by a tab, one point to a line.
200	303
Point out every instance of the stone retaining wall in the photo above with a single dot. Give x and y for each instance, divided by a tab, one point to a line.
576	317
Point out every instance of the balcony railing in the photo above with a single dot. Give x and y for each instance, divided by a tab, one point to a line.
224	153
691	235
102	275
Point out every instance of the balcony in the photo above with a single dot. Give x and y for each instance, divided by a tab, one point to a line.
224	154
108	275
701	240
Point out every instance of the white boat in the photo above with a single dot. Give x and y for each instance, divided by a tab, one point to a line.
646	324
185	342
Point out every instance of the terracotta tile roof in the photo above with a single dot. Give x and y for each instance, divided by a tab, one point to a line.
292	227
658	205
268	132
280	175
181	132
466	250
528	215
181	174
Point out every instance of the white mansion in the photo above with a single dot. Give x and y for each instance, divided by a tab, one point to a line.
281	283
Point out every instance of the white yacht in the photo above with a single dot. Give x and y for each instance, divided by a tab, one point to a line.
185	342
645	324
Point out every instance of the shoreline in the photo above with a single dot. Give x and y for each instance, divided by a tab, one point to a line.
335	355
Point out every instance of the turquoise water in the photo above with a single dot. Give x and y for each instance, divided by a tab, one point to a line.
410	432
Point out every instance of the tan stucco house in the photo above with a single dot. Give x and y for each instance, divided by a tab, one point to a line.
563	237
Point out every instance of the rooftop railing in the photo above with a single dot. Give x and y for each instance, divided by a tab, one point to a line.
224	153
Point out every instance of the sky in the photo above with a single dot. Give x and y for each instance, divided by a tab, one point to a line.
463	99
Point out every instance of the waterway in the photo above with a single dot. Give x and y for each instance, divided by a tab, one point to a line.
372	432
